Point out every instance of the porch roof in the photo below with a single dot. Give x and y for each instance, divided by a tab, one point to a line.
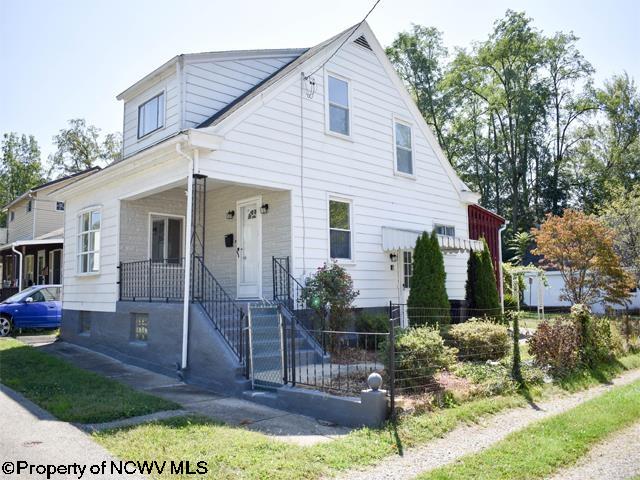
27	243
400	239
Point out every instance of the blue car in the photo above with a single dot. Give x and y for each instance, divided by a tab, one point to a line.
34	307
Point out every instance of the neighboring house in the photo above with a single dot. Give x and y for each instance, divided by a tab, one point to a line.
553	291
31	244
248	170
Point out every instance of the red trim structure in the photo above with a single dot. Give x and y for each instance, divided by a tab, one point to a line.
485	223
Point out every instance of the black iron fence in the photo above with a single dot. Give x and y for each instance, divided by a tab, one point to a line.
410	316
152	280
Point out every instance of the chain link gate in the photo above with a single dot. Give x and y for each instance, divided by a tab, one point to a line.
266	346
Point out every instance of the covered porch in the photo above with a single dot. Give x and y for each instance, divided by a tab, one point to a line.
237	229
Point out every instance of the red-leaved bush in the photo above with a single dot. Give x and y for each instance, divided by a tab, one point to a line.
556	345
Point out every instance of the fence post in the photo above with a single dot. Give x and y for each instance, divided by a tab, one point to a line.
273	278
150	282
392	362
293	352
120	281
283	336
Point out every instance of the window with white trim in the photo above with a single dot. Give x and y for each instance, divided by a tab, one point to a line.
449	230
338	97
166	239
88	256
151	115
60	206
340	230
404	148
407	268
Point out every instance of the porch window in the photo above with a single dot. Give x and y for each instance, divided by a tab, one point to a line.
408	269
404	148
340	229
89	242
446	230
151	115
338	105
166	239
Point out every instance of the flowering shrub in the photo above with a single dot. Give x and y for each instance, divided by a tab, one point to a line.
330	292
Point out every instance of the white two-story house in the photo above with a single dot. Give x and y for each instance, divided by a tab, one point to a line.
245	171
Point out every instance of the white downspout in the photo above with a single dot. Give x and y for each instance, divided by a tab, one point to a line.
187	259
13	248
502	229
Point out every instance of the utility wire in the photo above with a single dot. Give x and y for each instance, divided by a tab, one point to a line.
344	41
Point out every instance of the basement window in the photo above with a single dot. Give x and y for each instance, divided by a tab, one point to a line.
140	327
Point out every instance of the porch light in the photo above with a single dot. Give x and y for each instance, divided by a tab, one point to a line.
393	257
231	214
264	208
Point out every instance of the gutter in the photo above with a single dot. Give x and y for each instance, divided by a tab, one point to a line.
502	229
193	161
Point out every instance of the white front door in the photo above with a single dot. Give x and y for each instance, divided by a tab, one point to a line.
248	249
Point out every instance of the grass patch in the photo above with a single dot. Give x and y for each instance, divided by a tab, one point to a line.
233	453
546	446
602	373
70	393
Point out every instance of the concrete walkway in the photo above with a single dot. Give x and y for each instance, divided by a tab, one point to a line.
30	434
278	424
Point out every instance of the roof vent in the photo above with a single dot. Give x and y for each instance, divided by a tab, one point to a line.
362	42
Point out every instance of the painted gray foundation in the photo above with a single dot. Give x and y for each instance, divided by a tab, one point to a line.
370	410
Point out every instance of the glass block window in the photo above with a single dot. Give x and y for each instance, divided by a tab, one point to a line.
140	327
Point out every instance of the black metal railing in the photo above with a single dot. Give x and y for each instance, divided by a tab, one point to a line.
287	291
226	315
152	280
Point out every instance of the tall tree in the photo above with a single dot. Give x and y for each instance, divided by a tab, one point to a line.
20	167
80	147
419	56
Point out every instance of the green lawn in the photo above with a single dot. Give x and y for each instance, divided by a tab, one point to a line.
232	452
68	392
530	319
546	446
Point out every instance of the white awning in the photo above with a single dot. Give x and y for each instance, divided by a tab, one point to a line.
398	239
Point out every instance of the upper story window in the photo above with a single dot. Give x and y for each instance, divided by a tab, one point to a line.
446	230
340	228
12	216
338	106
89	242
151	115
29	206
403	148
60	206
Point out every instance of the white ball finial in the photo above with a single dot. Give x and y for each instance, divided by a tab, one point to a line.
374	381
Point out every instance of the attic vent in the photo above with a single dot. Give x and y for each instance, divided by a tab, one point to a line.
362	42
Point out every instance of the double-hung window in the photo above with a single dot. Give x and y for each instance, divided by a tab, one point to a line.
338	106
403	148
89	242
151	115
446	230
166	239
340	230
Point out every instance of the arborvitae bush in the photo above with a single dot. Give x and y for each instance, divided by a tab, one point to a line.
481	291
428	302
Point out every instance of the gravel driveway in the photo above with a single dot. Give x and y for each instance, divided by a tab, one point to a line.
474	438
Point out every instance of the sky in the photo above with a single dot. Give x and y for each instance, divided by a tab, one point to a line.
68	59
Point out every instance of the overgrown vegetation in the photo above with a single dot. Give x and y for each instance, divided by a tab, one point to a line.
69	393
478	340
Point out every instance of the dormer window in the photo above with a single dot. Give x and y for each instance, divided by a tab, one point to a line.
151	115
